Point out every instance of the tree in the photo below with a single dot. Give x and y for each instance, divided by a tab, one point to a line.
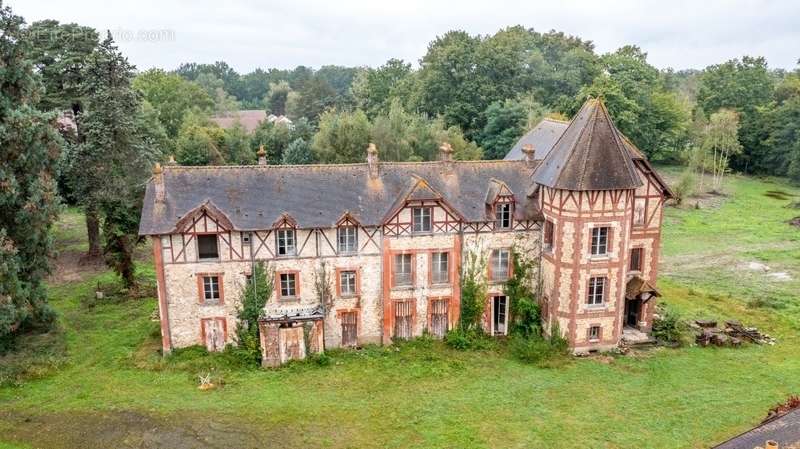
298	153
172	96
236	146
114	160
200	142
783	129
224	103
505	122
254	297
276	97
274	137
374	89
311	100
342	137
59	53
720	142
28	197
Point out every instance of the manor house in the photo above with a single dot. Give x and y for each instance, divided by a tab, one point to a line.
371	252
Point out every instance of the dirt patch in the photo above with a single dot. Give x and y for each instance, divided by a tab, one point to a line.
778	195
795	222
127	429
707	200
73	266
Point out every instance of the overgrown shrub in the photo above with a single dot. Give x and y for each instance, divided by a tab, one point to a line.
464	339
543	351
473	292
685	186
667	326
526	315
255	296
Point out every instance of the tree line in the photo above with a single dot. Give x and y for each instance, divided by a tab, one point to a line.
84	127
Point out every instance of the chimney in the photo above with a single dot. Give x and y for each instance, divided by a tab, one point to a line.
262	155
372	161
529	153
171	160
158	184
446	156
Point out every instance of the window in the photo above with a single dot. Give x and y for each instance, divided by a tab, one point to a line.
347	283
288	285
440	268
597	288
599	241
500	265
211	291
639	211
636	259
286	242
548	235
421	219
348	239
594	333
207	247
502	215
246	237
403	319
438	312
401	271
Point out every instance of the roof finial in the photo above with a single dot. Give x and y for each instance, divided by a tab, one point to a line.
157	170
262	155
446	156
530	153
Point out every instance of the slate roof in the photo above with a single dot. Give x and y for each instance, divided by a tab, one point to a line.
785	430
249	119
543	136
254	197
591	155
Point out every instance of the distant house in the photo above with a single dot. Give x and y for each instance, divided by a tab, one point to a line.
249	119
393	237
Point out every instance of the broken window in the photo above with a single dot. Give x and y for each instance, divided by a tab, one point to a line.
285	242
421	219
288	285
594	333
548	235
502	215
636	259
213	333
439	318
207	247
597	287
599	241
440	268
348	239
211	291
639	211
500	265
401	271
347	283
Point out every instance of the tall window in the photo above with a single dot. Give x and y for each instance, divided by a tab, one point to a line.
401	271
211	292
599	241
500	264
285	242
502	215
421	219
207	247
348	239
440	268
548	235
636	259
597	291
288	285
347	283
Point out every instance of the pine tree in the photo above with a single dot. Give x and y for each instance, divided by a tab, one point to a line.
28	199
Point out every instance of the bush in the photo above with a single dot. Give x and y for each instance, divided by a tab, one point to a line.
466	339
685	186
667	326
545	352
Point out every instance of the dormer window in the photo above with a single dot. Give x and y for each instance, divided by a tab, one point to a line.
207	247
502	215
421	219
285	242
347	236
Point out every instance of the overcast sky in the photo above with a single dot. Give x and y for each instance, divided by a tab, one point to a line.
249	34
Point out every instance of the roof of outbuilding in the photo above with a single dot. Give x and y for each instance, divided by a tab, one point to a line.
785	430
249	119
543	136
254	197
591	155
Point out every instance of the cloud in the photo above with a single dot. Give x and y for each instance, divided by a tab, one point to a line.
249	34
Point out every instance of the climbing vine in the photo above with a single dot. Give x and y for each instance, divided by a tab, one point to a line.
254	297
526	314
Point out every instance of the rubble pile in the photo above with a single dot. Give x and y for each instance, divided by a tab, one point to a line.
732	334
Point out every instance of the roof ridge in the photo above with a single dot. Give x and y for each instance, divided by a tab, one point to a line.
575	143
349	164
593	118
620	145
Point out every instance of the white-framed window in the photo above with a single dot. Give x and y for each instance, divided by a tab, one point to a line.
440	268
285	242
500	261
207	248
594	333
599	245
597	291
211	292
502	215
347	283
639	211
401	270
421	219
347	236
288	285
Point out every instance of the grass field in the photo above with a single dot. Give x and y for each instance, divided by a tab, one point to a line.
98	383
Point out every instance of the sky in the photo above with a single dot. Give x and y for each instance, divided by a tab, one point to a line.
248	34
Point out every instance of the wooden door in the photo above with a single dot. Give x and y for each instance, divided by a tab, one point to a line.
439	317
214	334
349	328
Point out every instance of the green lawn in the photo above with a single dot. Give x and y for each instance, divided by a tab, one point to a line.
105	387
